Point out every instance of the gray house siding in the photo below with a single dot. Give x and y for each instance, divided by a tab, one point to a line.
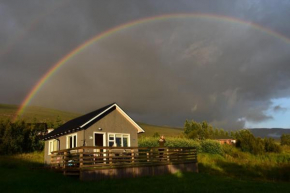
114	122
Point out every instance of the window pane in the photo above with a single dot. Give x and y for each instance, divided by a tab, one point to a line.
111	137
70	142
75	141
50	146
118	141
125	141
111	143
54	145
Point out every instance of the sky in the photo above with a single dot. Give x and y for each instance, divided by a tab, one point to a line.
227	63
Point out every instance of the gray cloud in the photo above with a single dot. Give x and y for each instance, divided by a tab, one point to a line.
161	72
278	108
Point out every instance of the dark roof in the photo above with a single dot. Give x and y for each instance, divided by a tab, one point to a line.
75	124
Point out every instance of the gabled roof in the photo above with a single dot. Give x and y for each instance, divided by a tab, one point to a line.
85	121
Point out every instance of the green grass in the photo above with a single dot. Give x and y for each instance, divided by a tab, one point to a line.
40	113
167	131
23	173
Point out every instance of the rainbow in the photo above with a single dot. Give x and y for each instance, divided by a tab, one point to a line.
121	27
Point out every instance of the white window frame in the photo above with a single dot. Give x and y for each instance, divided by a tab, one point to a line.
122	136
50	144
67	140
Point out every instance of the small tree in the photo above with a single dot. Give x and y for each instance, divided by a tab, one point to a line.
271	146
156	135
246	141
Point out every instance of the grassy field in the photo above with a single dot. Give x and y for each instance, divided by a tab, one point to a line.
162	130
24	173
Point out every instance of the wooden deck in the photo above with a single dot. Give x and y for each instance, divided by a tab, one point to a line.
93	163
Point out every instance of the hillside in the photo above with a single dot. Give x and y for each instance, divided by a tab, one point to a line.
43	114
162	130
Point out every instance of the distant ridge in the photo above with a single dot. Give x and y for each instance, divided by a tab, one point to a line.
269	132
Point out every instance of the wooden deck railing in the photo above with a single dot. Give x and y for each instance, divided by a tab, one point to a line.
118	157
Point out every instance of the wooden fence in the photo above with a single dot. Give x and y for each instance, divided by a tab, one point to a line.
98	158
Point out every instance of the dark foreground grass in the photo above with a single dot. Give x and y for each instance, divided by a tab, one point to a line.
20	175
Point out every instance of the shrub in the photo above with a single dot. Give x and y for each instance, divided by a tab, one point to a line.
148	142
170	142
285	139
234	152
211	146
271	146
247	142
156	135
183	142
19	137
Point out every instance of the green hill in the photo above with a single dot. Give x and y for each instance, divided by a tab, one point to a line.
44	114
167	131
41	114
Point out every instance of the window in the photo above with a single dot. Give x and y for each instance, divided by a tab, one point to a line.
125	140
52	146
71	141
111	140
118	140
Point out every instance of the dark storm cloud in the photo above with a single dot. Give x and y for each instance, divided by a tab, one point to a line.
161	73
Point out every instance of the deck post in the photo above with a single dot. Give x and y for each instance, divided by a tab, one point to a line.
81	152
110	156
151	157
148	156
132	155
167	151
64	161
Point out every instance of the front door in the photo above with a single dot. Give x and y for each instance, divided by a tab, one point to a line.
99	140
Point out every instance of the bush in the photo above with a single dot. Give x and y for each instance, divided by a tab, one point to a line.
156	135
247	142
170	142
19	137
271	146
211	146
285	139
148	142
183	142
234	152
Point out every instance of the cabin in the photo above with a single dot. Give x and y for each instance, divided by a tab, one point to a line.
108	126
